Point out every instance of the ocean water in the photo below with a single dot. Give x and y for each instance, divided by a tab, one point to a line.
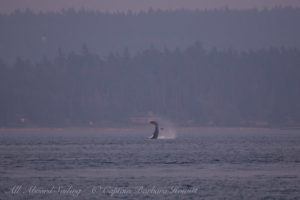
197	164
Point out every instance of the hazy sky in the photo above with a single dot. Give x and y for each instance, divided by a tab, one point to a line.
7	6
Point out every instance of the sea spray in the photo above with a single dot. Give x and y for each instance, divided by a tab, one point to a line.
166	128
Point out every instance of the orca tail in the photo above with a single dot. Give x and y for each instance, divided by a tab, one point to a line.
156	131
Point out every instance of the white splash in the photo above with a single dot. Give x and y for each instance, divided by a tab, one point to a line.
166	129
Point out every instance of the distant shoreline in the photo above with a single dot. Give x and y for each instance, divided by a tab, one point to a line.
139	128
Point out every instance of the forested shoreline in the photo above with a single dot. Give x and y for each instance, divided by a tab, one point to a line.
195	86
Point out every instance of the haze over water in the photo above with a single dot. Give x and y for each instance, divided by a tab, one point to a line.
99	64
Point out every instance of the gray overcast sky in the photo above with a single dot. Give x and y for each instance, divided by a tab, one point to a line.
7	6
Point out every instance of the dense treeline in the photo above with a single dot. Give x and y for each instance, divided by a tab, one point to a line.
32	36
195	86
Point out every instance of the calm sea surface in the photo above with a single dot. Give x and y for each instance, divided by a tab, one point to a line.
198	164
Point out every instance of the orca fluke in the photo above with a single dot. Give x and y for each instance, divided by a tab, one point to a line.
156	131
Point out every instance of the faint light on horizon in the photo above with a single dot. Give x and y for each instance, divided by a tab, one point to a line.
44	38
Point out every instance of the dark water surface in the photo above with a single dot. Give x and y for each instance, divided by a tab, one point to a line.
199	164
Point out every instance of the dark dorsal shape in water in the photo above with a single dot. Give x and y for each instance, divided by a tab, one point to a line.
156	131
